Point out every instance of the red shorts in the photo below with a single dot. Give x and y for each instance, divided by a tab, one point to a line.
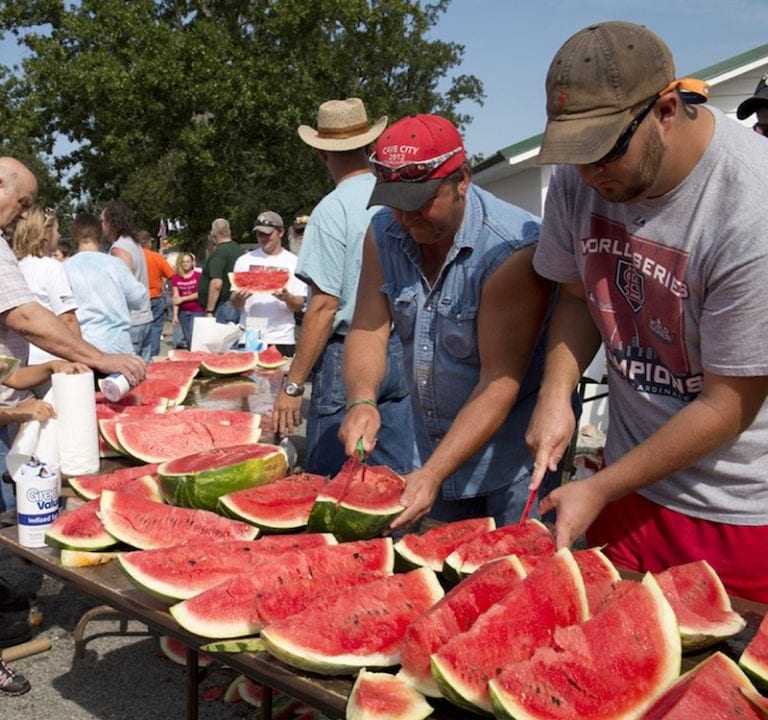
643	536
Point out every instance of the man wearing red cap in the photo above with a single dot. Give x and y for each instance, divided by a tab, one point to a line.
654	227
449	265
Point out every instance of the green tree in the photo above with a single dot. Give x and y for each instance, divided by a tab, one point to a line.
189	108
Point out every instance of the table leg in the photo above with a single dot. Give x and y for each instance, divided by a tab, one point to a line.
192	684
266	702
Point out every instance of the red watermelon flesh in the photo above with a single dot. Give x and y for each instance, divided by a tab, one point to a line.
150	390
270	358
260	278
551	596
89	487
362	627
599	575
230	363
160	441
183	571
432	547
184	369
612	666
701	604
712	689
280	506
227	610
381	696
146	524
454	614
527	541
754	659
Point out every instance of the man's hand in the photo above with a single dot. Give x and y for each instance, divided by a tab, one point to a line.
361	421
577	503
548	436
286	413
34	409
421	489
132	366
238	297
68	368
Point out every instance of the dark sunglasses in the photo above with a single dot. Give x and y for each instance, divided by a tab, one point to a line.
692	91
409	172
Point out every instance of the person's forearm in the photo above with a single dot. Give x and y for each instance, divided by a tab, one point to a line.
315	331
27	377
365	363
214	290
70	320
42	328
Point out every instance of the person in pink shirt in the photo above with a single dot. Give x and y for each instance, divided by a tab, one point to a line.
186	305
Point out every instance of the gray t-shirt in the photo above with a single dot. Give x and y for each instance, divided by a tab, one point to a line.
129	245
677	285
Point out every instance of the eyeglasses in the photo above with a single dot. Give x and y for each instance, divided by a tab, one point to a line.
622	144
761	128
409	172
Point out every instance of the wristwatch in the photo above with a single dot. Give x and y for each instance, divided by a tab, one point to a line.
292	389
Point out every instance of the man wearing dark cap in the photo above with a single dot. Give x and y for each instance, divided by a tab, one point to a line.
330	264
757	104
449	266
275	309
654	227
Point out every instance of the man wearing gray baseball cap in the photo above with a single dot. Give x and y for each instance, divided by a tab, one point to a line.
653	226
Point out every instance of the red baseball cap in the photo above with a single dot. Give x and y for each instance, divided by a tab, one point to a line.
412	157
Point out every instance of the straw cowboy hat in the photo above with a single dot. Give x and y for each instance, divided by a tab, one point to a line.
342	125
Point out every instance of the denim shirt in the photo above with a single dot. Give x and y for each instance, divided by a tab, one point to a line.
438	329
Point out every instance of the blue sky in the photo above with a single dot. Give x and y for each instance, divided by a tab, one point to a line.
510	43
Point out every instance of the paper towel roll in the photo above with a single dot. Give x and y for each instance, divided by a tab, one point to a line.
74	398
34	438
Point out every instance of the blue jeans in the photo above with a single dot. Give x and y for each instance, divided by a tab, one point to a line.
227	312
142	341
186	317
158	320
395	446
7	498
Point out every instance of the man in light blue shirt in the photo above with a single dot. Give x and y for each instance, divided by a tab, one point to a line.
104	288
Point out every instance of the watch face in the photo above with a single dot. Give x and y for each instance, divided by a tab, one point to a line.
293	389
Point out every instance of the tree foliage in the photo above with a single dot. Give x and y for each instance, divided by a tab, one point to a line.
189	108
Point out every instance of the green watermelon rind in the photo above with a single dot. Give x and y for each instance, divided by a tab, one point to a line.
351	523
203	489
321	515
340	664
412	705
751	663
246	644
233	628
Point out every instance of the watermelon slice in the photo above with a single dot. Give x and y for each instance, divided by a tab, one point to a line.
85	558
701	604
271	358
247	644
230	609
599	574
754	659
359	502
431	548
183	571
612	666
173	391
176	651
529	541
362	627
260	279
380	696
281	506
715	688
454	614
89	487
146	524
230	363
551	596
200	479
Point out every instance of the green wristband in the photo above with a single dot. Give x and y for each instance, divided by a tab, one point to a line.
363	401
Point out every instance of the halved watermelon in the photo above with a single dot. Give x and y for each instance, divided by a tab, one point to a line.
260	279
200	479
454	614
362	627
146	524
183	571
89	487
281	506
359	502
381	696
715	688
612	666
551	596
271	358
230	363
529	541
754	659
432	547
701	604
230	608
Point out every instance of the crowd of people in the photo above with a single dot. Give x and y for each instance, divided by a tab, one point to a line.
445	331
